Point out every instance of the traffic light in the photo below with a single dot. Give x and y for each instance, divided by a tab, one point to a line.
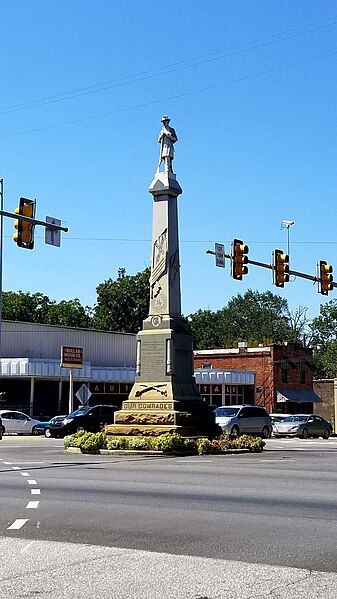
239	259
24	235
280	268
325	277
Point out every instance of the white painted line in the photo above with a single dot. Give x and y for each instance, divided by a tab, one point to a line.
19	462
24	473
16	468
32	505
30	481
7	463
38	491
27	546
18	524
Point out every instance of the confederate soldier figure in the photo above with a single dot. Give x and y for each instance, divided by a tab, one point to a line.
167	137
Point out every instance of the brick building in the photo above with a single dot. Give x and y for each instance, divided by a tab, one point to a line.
283	374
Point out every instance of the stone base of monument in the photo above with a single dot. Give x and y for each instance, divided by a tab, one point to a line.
152	416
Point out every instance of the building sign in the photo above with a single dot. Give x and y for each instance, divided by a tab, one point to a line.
96	387
125	387
112	388
71	357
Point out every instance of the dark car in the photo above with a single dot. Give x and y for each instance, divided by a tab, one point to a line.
91	419
0	429
43	426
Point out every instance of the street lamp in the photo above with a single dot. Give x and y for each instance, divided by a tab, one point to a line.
286	224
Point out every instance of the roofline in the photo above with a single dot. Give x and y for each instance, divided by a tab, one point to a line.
61	326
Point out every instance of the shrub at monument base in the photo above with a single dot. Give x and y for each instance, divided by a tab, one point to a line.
167	443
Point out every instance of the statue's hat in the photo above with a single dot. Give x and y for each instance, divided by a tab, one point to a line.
165	118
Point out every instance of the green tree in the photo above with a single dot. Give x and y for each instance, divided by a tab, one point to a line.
253	317
36	307
324	340
123	304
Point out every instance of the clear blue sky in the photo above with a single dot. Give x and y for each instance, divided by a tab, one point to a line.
256	146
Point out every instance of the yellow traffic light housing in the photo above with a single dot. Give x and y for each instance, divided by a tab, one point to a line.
325	277
24	235
280	268
239	259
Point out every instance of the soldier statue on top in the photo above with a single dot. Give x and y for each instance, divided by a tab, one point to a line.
167	137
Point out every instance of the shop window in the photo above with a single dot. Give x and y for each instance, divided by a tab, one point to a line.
206	366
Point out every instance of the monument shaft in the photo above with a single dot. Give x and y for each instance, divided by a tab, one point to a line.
164	397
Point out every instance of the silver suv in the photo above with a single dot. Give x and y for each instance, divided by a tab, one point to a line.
241	420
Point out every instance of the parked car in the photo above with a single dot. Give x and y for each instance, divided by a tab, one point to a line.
276	417
0	429
17	422
43	426
91	419
245	419
303	426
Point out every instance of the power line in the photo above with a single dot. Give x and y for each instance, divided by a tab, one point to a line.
148	74
174	97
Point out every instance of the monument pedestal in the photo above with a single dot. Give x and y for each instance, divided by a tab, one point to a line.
164	397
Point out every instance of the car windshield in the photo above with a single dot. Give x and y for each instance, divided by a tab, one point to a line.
227	412
78	412
296	419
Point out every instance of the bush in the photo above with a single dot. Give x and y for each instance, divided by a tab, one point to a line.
190	446
169	443
117	442
204	445
144	443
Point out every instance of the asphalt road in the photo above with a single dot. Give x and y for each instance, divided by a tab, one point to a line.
261	520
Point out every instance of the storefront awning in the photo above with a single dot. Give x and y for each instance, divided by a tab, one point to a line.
284	395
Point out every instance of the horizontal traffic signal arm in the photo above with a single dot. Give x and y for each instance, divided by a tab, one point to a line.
296	273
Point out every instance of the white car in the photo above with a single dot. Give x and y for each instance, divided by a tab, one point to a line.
17	422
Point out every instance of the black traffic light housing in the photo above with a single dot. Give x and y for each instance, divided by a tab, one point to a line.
24	235
239	259
280	268
325	277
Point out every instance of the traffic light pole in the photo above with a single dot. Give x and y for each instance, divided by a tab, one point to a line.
1	252
296	273
34	221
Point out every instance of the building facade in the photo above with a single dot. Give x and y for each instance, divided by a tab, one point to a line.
32	380
283	374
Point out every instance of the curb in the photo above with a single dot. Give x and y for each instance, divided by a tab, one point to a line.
114	452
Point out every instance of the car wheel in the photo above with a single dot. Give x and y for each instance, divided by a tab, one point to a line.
304	434
265	434
33	431
47	433
235	432
3	430
326	434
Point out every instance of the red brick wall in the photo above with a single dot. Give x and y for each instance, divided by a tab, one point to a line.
268	368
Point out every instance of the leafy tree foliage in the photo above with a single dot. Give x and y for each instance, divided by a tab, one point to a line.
36	307
253	317
123	304
324	340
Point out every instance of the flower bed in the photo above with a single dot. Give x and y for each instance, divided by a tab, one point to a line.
167	443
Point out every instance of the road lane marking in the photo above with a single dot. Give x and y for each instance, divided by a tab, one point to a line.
35	491
8	463
18	524
27	546
24	473
19	462
31	481
32	505
16	468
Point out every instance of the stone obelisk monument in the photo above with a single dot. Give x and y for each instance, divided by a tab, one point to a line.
164	397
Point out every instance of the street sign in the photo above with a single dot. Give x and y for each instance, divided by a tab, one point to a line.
219	249
71	357
83	394
52	236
